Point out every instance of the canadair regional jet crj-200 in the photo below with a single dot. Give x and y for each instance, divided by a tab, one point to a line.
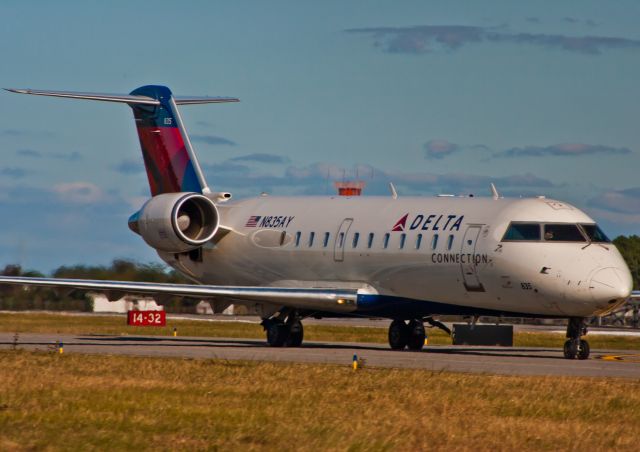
408	259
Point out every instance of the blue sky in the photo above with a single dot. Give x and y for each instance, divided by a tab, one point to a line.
437	96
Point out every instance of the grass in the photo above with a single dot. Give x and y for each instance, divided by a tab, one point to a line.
82	324
83	402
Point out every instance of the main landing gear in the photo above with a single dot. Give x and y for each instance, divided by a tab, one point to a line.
575	346
410	335
284	332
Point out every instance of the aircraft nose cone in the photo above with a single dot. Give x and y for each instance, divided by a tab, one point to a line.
610	286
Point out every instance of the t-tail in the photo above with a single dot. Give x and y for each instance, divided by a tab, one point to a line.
169	158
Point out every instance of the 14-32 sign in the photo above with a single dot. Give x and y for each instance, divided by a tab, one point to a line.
146	318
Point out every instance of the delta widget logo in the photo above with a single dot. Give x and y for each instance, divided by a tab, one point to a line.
401	224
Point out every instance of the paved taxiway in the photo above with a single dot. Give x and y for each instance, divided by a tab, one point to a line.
491	360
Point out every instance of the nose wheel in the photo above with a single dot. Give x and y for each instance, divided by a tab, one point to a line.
575	346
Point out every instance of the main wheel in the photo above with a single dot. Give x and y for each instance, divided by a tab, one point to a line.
570	349
296	334
398	335
583	352
277	334
416	337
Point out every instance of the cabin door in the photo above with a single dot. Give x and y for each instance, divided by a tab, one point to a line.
341	240
468	259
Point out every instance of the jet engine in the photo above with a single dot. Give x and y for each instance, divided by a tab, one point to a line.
176	222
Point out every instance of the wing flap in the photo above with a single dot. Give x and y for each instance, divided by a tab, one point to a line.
331	300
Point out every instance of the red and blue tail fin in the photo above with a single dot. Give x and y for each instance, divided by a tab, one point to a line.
168	156
169	159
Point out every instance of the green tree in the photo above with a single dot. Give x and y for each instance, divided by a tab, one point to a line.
629	247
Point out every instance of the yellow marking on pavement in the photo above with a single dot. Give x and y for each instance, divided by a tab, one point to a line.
625	358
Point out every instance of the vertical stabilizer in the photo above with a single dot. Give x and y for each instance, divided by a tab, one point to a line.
169	159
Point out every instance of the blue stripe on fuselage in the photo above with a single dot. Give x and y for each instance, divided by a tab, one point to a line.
391	307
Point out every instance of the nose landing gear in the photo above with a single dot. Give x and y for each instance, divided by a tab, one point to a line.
575	346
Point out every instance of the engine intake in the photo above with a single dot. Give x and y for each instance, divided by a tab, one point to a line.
176	222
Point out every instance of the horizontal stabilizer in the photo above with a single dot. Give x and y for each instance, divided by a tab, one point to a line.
328	300
184	100
124	98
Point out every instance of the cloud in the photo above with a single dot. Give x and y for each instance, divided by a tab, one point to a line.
424	39
212	140
533	20
318	178
228	167
29	153
14	173
625	201
67	156
570	20
25	133
563	149
46	232
438	149
261	158
461	182
129	166
79	192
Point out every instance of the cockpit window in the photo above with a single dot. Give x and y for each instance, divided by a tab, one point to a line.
563	233
522	231
595	234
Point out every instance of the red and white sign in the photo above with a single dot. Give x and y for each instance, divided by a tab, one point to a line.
146	318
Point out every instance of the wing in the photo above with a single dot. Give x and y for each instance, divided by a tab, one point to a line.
328	300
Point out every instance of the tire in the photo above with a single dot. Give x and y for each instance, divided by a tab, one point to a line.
570	349
398	335
277	334
416	337
584	351
296	334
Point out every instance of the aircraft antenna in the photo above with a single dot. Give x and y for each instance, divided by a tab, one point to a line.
494	191
394	193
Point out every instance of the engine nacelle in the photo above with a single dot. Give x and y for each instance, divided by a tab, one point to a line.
176	222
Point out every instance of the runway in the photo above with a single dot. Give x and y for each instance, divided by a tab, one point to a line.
489	360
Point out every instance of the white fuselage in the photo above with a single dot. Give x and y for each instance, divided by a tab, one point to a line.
443	251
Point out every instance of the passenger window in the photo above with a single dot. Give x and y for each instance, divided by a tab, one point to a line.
450	242
370	240
434	242
418	241
563	233
341	239
522	231
403	238
298	234
385	241
595	234
312	235
356	237
325	242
